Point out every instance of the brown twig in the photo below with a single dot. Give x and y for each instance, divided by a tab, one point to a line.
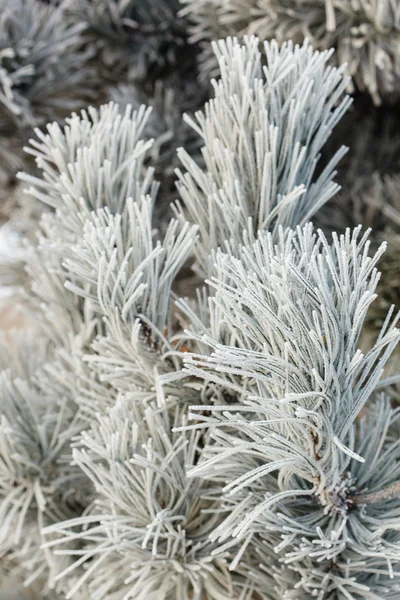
387	493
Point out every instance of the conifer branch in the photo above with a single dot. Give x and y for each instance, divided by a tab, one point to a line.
382	495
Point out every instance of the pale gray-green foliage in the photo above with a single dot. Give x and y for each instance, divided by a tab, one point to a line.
147	535
38	484
134	34
169	131
365	33
287	446
369	192
165	124
127	280
275	489
164	120
99	160
96	160
99	242
127	277
263	133
38	478
44	73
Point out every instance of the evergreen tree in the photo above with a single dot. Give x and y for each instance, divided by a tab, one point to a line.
237	444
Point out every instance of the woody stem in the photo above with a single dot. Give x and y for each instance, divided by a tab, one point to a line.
387	493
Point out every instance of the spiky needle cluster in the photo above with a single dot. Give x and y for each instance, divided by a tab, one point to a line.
44	72
254	455
365	33
42	66
137	35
